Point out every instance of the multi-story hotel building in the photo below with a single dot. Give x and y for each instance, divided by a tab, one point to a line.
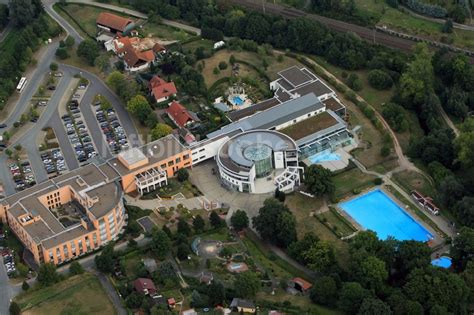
73	214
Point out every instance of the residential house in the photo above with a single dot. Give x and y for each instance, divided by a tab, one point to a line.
300	285
180	115
145	286
137	53
161	90
242	306
206	278
191	311
113	23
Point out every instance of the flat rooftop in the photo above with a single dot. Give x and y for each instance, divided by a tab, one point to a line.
309	126
295	76
132	156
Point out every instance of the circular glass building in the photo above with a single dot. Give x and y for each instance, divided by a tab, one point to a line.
252	155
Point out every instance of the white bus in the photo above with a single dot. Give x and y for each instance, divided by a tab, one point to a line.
21	85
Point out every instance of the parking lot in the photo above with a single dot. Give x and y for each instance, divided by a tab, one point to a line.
22	175
53	161
111	127
76	130
9	261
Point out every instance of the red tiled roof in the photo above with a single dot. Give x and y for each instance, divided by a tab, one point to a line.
158	47
160	88
179	114
142	284
305	285
171	301
146	55
113	21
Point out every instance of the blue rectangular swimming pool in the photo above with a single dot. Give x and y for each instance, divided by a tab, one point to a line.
377	212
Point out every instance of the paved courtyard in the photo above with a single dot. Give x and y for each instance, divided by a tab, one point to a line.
209	184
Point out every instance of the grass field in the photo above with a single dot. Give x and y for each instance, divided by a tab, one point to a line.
348	181
336	222
76	295
404	22
302	302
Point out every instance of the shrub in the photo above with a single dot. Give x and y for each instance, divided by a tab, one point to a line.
182	174
385	151
222	65
53	66
378	181
380	79
354	82
61	53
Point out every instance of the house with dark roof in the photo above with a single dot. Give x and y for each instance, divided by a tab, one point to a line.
161	90
113	23
180	115
242	306
144	286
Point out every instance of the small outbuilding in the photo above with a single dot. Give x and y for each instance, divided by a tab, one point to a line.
242	306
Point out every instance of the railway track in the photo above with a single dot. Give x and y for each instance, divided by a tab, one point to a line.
376	36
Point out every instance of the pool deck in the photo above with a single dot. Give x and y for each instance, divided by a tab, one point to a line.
437	238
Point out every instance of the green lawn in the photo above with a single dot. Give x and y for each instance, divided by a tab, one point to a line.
76	295
348	181
404	22
336	222
163	32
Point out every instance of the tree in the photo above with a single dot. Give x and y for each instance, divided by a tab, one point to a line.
25	286
318	180
116	80
47	274
215	220
421	286
23	12
222	65
14	308
464	144
134	300
197	300
105	261
297	249
351	296
53	66
139	107
447	26
354	82
161	130
380	79
374	306
76	268
411	255
320	257
198	224
62	53
89	50
102	62
239	220
462	249
324	291
246	285
370	271
275	223
395	116
418	79
280	195
183	227
69	42
216	292
183	251
182	174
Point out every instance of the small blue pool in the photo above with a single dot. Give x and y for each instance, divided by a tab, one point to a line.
324	156
377	212
443	262
237	100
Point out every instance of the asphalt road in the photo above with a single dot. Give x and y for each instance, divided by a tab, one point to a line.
5	290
